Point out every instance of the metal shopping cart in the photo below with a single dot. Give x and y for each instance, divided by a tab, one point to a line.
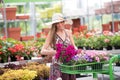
95	68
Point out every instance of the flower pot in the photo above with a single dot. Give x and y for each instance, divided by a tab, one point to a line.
101	48
109	47
13	32
4	60
26	38
106	27
80	47
117	63
13	58
10	13
22	17
27	58
117	47
116	25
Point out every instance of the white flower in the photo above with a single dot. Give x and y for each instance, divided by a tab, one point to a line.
59	78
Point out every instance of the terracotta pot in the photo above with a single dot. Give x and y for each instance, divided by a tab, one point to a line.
26	38
116	26
13	32
22	17
106	27
10	13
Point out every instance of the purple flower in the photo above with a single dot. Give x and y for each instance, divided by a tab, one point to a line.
76	58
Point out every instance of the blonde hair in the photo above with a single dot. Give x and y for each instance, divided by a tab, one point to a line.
52	33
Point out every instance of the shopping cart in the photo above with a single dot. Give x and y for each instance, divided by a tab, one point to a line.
95	68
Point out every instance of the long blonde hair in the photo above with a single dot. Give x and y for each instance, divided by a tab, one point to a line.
52	33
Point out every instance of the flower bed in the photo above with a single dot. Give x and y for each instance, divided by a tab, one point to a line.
31	71
11	49
106	40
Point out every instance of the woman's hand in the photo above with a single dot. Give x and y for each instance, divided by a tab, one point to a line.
48	52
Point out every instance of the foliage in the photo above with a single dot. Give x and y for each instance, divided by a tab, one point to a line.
41	69
98	41
5	44
79	41
18	75
10	47
116	40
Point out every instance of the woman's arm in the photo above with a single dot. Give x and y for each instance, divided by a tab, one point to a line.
45	50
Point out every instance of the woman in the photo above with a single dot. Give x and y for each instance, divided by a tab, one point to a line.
57	34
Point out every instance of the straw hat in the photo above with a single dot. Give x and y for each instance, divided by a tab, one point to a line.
69	21
57	17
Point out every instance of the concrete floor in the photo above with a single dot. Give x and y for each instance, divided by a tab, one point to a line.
105	77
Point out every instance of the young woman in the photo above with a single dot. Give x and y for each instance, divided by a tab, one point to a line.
57	34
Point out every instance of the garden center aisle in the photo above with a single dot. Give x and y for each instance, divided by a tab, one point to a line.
106	77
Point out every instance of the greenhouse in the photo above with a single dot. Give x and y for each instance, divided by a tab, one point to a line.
59	39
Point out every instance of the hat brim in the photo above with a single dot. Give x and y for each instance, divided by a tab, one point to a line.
53	22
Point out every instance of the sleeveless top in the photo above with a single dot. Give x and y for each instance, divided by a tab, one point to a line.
55	72
65	42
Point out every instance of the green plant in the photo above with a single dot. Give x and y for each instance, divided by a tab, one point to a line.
116	40
4	53
18	75
41	69
80	42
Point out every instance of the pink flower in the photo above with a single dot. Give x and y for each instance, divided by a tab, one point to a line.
106	40
97	59
65	53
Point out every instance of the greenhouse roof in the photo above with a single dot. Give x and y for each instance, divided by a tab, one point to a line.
11	1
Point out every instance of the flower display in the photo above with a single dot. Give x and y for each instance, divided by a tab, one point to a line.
89	56
64	54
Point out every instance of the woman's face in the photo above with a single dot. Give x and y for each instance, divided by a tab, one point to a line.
60	25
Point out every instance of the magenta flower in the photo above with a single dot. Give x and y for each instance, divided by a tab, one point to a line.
65	54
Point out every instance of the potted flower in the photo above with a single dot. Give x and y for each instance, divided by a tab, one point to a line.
116	41
4	54
29	49
65	54
92	58
80	42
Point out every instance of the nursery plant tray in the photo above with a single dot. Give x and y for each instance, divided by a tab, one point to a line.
94	67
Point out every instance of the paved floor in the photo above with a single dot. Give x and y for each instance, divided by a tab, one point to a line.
100	77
